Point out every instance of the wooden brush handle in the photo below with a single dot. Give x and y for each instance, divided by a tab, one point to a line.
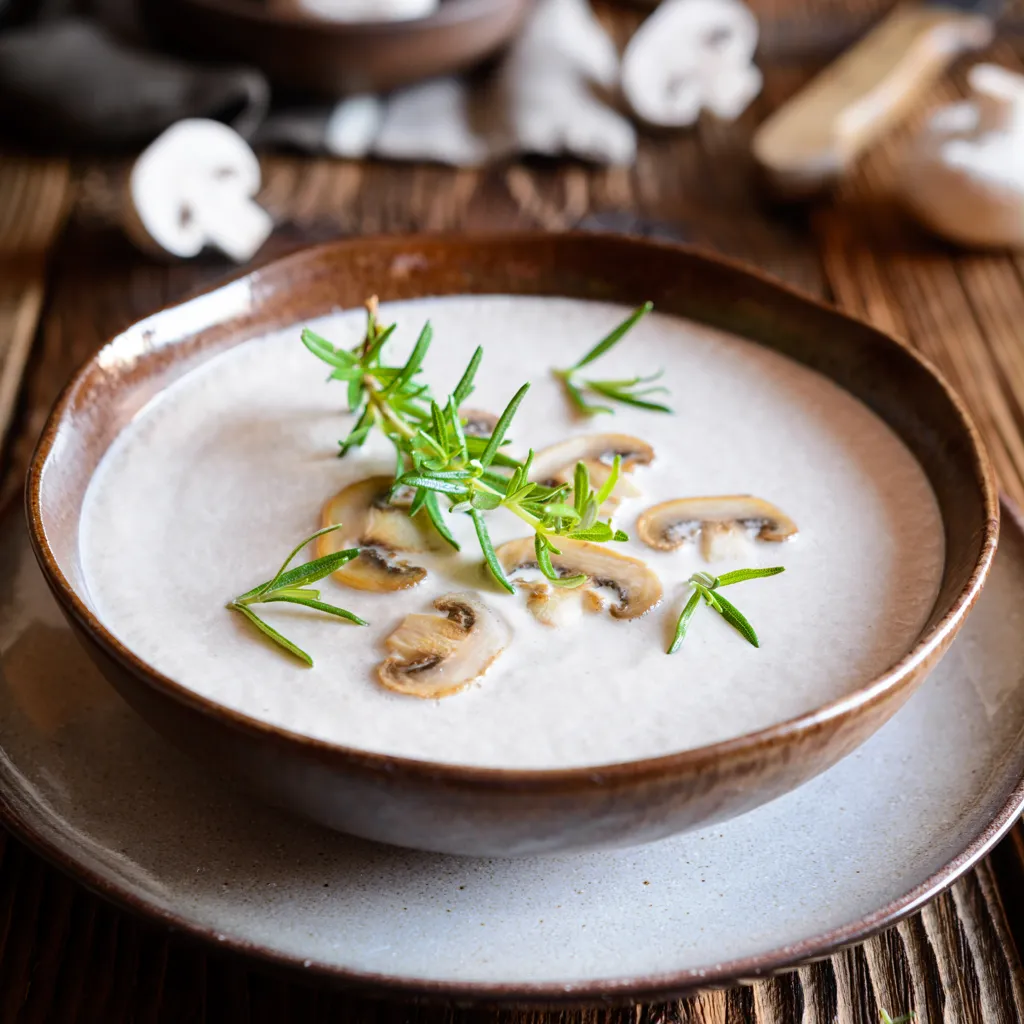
811	139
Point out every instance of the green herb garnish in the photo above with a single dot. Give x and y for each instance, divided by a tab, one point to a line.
707	586
436	458
628	391
291	586
906	1018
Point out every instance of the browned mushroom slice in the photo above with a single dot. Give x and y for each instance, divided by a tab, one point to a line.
478	422
725	524
434	657
636	587
557	463
381	529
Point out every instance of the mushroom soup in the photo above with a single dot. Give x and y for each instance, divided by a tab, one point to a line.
206	490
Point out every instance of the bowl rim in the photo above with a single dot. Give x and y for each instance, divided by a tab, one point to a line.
524	780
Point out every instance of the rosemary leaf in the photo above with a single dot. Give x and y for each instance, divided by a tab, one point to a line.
320	606
742	575
737	620
433	508
465	386
684	622
615	336
272	633
501	427
488	549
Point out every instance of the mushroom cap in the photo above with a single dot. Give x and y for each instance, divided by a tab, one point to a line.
691	54
670	524
637	587
381	529
433	657
556	464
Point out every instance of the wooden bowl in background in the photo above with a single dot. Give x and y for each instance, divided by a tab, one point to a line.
307	54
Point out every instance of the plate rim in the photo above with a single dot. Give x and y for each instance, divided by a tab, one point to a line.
604	991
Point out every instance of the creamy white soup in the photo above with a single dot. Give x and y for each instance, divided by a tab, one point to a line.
209	487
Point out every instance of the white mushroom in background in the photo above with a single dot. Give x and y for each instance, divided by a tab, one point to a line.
964	176
431	121
194	187
353	126
545	87
360	10
689	56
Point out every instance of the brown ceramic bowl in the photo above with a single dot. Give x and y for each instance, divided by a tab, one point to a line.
485	811
308	54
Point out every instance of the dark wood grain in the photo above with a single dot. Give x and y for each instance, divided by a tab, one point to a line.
68	958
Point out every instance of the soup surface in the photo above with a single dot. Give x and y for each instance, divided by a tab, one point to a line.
205	492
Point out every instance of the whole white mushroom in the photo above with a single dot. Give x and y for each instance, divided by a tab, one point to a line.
964	176
689	56
545	87
192	188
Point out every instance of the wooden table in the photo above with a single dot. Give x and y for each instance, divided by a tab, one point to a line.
66	956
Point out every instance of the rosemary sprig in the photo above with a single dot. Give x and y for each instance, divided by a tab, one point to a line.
904	1018
444	464
437	460
706	587
291	586
628	391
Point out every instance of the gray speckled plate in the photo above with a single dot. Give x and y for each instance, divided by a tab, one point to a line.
88	784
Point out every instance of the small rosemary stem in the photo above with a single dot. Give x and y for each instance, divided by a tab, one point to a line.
384	410
531	520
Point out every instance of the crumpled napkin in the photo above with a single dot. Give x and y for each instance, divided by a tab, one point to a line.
70	83
542	97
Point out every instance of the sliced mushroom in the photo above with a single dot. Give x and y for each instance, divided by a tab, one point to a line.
636	587
557	464
434	657
478	422
559	606
370	522
725	524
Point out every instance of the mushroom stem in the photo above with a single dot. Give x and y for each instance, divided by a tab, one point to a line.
234	223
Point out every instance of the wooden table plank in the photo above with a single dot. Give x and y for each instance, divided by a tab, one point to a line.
35	194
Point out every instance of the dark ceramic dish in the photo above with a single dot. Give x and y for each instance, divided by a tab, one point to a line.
300	52
485	811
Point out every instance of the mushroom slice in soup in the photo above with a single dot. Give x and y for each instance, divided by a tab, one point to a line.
433	657
381	528
557	463
725	524
478	422
561	606
636	587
